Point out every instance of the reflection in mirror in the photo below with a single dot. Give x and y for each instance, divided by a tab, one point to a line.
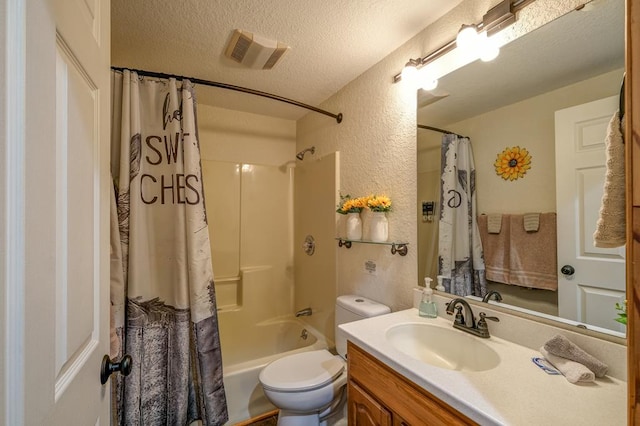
552	92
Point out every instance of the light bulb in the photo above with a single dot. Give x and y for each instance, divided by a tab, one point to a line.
489	49
467	37
429	85
410	73
427	82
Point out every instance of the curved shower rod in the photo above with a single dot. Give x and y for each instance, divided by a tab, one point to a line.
338	117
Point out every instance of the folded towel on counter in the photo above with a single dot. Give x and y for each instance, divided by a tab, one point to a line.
560	346
533	255
573	371
610	227
531	222
496	249
494	223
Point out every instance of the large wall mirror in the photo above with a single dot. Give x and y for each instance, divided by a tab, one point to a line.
563	77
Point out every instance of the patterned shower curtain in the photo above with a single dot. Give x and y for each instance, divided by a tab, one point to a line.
460	257
163	301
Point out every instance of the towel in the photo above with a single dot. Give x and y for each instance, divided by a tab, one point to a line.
560	346
531	222
610	228
533	255
494	223
573	371
496	249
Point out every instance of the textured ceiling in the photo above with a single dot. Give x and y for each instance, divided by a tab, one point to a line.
332	42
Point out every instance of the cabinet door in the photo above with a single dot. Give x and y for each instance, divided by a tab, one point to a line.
399	421
364	410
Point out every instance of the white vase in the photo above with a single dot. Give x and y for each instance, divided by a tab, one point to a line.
354	226
379	227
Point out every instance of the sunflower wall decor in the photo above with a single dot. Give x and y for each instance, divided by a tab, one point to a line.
513	163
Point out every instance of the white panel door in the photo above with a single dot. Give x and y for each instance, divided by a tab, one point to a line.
64	291
588	295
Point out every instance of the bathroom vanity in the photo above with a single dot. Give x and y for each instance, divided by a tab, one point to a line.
404	369
378	395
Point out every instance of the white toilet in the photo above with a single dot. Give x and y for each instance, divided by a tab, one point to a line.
310	386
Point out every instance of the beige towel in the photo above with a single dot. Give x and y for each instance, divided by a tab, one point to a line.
531	222
496	249
533	255
559	345
610	228
494	223
573	371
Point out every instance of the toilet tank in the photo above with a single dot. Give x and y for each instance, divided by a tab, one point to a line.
353	308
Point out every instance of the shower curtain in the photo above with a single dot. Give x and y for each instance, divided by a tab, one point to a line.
460	258
163	304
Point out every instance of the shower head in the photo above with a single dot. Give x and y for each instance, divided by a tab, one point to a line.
300	155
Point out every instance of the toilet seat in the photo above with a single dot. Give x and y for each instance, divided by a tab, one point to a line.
305	371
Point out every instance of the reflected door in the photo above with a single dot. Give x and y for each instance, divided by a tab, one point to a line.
594	279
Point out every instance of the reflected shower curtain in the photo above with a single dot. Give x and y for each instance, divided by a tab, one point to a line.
460	258
163	307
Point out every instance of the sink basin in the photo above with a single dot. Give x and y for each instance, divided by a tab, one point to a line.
442	347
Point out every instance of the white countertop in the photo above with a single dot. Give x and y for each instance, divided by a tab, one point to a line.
516	392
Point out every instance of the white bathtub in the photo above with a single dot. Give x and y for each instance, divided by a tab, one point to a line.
247	350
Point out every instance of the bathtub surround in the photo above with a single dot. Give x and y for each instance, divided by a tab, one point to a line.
170	326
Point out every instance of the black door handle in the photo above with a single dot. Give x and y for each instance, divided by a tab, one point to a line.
108	367
567	270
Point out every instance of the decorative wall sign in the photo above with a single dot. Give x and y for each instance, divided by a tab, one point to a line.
513	163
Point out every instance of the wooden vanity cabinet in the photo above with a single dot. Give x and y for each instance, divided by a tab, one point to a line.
379	396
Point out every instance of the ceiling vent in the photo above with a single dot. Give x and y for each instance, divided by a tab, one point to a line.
254	51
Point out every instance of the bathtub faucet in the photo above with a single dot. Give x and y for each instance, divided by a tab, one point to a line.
304	312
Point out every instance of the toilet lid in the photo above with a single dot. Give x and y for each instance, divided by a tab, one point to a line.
303	371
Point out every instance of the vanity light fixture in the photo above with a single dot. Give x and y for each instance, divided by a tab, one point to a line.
478	36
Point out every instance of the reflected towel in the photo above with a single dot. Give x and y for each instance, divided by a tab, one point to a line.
573	371
610	228
533	255
561	346
494	223
496	249
531	222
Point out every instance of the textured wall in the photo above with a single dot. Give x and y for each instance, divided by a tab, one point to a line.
377	141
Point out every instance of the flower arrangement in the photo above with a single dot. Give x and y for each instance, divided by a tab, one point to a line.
513	163
351	205
379	203
622	315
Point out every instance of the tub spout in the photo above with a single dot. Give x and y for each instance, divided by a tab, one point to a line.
304	312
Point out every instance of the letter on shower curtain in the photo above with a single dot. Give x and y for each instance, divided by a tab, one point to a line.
460	258
164	308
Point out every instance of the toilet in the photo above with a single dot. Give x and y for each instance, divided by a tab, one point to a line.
309	387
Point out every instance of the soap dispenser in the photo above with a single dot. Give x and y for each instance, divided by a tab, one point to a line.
428	307
439	286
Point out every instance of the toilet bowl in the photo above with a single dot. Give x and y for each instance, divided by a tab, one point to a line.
310	387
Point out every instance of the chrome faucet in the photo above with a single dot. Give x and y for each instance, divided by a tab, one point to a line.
304	312
496	295
481	329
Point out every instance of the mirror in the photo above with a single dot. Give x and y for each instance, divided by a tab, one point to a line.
511	101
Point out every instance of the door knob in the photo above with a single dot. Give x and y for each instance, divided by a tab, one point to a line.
567	270
108	367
